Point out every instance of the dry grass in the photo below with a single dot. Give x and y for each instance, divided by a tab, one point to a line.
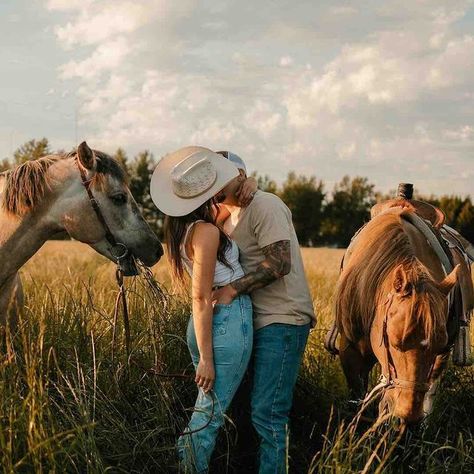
65	406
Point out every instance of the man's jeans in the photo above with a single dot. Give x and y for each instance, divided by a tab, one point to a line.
277	354
232	344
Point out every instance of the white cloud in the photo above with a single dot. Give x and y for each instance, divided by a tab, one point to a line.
262	118
463	133
106	57
96	21
286	61
343	10
66	5
94	27
385	90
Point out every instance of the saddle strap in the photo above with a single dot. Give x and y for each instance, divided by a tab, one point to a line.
432	238
462	343
330	340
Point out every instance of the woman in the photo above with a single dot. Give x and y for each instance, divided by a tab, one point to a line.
219	336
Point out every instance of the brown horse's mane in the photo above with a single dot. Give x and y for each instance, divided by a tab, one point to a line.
382	246
26	184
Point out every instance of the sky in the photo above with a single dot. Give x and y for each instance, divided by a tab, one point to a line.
324	88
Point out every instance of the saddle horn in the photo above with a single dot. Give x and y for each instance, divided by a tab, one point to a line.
405	191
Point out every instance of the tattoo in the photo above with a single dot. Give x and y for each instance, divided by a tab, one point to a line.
276	265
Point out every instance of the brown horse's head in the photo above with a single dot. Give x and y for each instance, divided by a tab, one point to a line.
408	332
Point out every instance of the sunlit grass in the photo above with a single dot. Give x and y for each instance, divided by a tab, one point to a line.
67	406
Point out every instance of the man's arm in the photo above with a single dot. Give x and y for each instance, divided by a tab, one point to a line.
276	265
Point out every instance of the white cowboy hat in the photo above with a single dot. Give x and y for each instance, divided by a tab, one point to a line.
187	178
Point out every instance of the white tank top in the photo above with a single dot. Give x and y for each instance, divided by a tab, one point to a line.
222	275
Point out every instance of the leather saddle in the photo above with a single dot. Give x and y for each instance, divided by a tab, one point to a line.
423	209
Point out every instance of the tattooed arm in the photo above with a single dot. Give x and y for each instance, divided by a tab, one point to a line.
276	265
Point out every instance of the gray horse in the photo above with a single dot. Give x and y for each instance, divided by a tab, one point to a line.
43	197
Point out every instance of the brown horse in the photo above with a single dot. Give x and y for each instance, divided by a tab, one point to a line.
40	198
392	307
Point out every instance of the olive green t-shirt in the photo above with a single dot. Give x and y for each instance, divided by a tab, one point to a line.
287	300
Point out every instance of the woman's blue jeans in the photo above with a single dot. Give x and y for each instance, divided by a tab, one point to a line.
277	354
232	336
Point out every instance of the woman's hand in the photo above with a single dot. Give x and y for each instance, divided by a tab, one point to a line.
246	191
205	375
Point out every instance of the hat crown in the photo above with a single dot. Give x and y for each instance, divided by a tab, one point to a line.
186	178
193	176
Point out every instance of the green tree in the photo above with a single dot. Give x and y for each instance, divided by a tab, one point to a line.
304	196
348	210
31	150
140	172
451	206
458	212
265	183
122	158
465	220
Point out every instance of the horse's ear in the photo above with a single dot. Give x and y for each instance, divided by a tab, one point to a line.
448	283
86	156
400	279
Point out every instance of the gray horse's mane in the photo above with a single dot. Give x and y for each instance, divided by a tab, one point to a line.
26	184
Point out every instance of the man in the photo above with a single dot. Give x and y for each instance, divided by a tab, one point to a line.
283	309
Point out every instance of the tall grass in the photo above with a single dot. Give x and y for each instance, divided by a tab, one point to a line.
67	406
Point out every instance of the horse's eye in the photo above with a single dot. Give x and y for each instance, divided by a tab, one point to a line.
119	199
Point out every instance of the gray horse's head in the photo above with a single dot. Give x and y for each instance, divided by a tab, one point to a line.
108	184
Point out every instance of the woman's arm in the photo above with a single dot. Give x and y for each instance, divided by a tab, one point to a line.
205	241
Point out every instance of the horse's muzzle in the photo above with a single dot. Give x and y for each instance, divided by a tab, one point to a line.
129	267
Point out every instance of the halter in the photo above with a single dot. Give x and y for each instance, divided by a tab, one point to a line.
389	381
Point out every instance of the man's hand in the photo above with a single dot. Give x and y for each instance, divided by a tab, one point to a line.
224	295
246	191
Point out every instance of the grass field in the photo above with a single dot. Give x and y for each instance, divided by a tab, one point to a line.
68	405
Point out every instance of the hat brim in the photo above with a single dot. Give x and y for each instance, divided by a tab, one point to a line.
161	187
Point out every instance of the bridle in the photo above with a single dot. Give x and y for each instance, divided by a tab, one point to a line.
120	252
393	381
118	249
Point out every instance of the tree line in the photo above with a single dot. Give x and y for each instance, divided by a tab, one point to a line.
320	216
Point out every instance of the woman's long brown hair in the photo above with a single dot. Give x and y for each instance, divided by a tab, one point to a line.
175	231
